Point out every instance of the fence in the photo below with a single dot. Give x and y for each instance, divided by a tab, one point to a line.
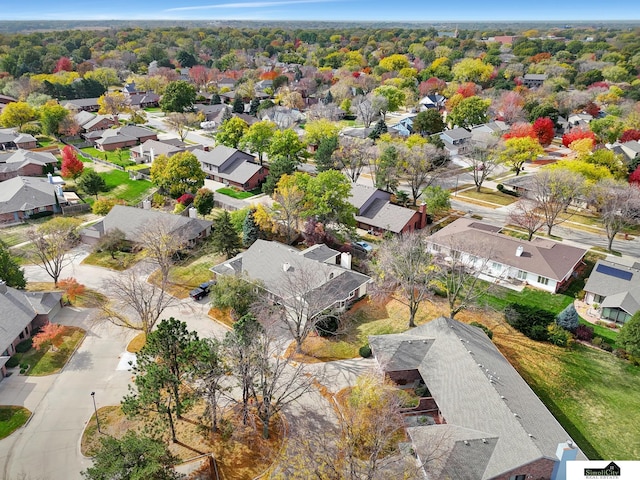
76	208
95	159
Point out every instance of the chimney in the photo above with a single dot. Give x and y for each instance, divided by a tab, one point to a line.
565	452
49	178
519	251
60	192
151	155
146	204
345	260
3	286
193	213
423	216
286	266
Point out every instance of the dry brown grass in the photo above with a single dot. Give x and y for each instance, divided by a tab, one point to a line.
221	316
136	343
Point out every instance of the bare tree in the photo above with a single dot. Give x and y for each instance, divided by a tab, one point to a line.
618	204
483	159
527	215
182	121
134	303
330	111
352	155
420	166
405	271
365	110
161	241
553	191
52	241
287	208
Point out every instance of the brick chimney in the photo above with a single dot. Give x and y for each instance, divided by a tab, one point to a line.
423	216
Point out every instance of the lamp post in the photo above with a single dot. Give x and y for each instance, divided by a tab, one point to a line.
93	396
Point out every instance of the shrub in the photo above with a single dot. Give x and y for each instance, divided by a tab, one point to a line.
585	333
24	346
500	187
531	321
568	318
597	342
12	362
24	366
365	351
606	347
538	333
179	208
621	353
46	213
484	328
157	200
558	335
328	326
103	206
422	391
185	199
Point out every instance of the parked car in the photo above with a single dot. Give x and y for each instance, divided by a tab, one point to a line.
363	247
201	290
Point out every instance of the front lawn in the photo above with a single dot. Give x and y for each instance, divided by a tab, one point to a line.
122	187
118	158
240	195
488	195
122	261
47	361
12	418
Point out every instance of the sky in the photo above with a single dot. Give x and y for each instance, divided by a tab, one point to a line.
332	10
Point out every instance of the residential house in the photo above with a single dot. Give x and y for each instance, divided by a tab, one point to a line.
540	263
326	280
123	137
496	128
615	288
630	150
581	120
434	100
533	80
90	122
478	420
25	163
150	149
21	197
232	167
404	127
212	113
131	220
21	313
10	139
80	104
456	141
138	98
504	39
377	214
6	100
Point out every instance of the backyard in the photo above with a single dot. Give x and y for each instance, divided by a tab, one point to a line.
239	194
118	157
123	188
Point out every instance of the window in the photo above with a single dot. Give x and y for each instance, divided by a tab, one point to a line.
543	280
352	294
598	299
518	477
522	275
496	266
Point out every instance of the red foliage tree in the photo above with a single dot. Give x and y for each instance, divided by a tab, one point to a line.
520	130
629	135
577	134
635	176
432	85
468	89
71	166
540	57
544	130
199	74
269	75
50	334
63	65
592	109
71	288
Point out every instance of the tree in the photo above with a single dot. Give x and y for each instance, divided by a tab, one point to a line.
51	241
238	105
527	215
47	336
52	115
618	204
257	138
437	199
324	153
232	293
178	174
278	167
186	59
63	65
134	457
17	114
225	239
231	132
395	62
608	129
629	336
71	289
250	230
577	133
113	103
629	135
553	191
365	110
161	241
405	271
395	98
520	130
385	168
378	129
10	271
419	166
327	198
105	76
91	183
428	122
318	130
179	96
518	151
351	156
544	130
472	70
285	143
568	318
182	122
204	201
483	160
288	205
71	166
469	112
112	241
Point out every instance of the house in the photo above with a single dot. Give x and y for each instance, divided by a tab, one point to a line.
479	419
150	149
435	100
523	184
456	141
232	167
82	104
21	197
630	150
212	113
21	313
533	80
376	213
25	163
6	100
90	122
327	274
138	98
581	120
132	219
497	128
615	288
404	127
10	139
123	137
540	263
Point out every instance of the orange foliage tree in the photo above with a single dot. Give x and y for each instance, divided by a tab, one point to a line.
520	130
577	134
71	289
50	334
71	166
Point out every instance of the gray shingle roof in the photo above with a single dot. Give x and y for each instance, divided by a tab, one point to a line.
41	158
26	193
541	256
233	164
620	290
319	252
479	394
360	194
385	215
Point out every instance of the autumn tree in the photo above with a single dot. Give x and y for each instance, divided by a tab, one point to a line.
394	97
483	159
17	114
231	132
608	129
384	167
420	166
528	216
71	166
181	173
544	130
112	241
257	138
91	183
71	289
630	135
63	64
553	191
365	110
48	336
161	241
182	122
179	96
327	198
113	103
404	270
517	151
204	201
472	70
469	112
288	206
577	133
520	130
618	204
10	271
351	156
52	116
51	243
286	144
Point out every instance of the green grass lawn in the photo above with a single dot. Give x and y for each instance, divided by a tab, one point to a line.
12	418
122	261
608	335
46	362
489	195
113	157
230	192
500	297
122	187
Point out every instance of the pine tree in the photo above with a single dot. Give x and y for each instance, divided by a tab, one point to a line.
215	99
226	115
10	271
568	318
328	98
250	230
279	166
379	129
253	107
238	105
224	238
326	147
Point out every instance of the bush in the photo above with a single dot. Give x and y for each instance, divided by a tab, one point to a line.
484	328
558	335
538	333
24	366
585	333
24	346
365	351
422	391
531	321
500	187
46	213
12	362
185	199
328	326
597	342
102	206
568	318
179	208
157	200
606	347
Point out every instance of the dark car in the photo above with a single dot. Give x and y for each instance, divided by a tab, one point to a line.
201	290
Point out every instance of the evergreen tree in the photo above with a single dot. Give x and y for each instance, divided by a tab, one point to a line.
379	129
92	183
629	337
226	115
238	105
10	271
250	230
224	238
326	147
204	201
568	318
215	99
278	167
328	98
253	107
